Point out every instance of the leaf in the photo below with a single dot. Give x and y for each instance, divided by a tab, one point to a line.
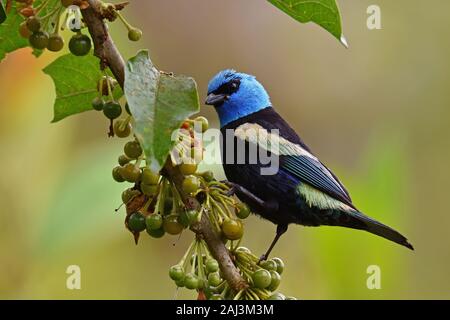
75	81
159	103
325	13
10	39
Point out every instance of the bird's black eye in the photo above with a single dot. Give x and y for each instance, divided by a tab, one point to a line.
229	87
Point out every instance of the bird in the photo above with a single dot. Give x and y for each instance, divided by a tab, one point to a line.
303	190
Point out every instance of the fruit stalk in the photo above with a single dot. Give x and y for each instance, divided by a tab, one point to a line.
105	49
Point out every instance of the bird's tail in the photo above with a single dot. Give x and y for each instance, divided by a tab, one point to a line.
366	223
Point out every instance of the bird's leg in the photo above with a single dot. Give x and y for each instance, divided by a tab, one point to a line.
281	228
248	196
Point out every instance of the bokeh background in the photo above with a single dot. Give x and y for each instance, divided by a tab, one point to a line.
378	114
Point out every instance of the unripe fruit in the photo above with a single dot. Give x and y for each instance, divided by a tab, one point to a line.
280	265
208	176
187	168
130	173
275	282
158	233
80	44
55	43
191	281
203	122
39	40
123	160
214	279
261	278
149	189
171	225
122	130
212	265
129	194
176	273
132	149
149	177
33	24
112	110
154	222
242	210
190	184
232	229
116	173
134	34
98	103
136	222
269	265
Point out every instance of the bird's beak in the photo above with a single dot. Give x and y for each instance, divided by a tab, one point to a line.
215	99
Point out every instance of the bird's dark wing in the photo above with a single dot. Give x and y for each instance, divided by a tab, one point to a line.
296	160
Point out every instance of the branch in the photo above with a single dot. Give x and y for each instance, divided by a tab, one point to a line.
106	51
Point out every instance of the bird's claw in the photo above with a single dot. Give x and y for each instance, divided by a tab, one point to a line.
262	258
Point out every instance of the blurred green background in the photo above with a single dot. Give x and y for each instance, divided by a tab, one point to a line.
378	114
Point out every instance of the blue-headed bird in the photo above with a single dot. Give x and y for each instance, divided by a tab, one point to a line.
302	190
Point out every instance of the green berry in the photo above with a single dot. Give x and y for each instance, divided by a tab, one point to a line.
134	34
277	296
112	110
33	24
158	233
190	184
132	149
130	172
129	194
191	281
55	43
154	222
269	265
214	279
212	265
98	103
122	129
232	229
123	160
39	40
261	278
242	210
203	122
187	168
149	177
180	283
136	222
208	176
80	44
244	250
149	189
280	265
116	173
176	272
171	225
275	282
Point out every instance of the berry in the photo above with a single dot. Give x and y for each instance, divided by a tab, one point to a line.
132	149
67	3
136	222
80	44
149	177
55	43
171	225
203	122
192	216
269	265
280	265
130	173
33	24
212	265
191	281
121	129
244	250
158	233
23	30
242	210
149	189
176	272
275	282
123	160
39	40
208	176
112	110
187	168
183	219
261	278
98	103
154	222
191	184
232	229
129	194
214	279
117	175
134	34
277	296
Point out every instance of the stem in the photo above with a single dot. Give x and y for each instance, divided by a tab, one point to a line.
105	49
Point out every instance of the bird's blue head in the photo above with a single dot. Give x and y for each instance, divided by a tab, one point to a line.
235	95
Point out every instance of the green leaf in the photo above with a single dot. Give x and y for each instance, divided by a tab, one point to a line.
325	13
159	103
75	81
10	39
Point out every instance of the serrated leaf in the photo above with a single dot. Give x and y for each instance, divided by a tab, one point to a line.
159	103
325	13
75	81
10	39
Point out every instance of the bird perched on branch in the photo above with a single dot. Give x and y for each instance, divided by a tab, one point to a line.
302	190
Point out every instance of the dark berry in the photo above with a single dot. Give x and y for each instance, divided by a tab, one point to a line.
158	233
122	129
116	173
154	222
55	43
39	40
33	24
129	194
123	160
112	110
130	172
80	44
132	149
136	222
98	103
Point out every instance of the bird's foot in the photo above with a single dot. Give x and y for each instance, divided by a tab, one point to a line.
262	258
